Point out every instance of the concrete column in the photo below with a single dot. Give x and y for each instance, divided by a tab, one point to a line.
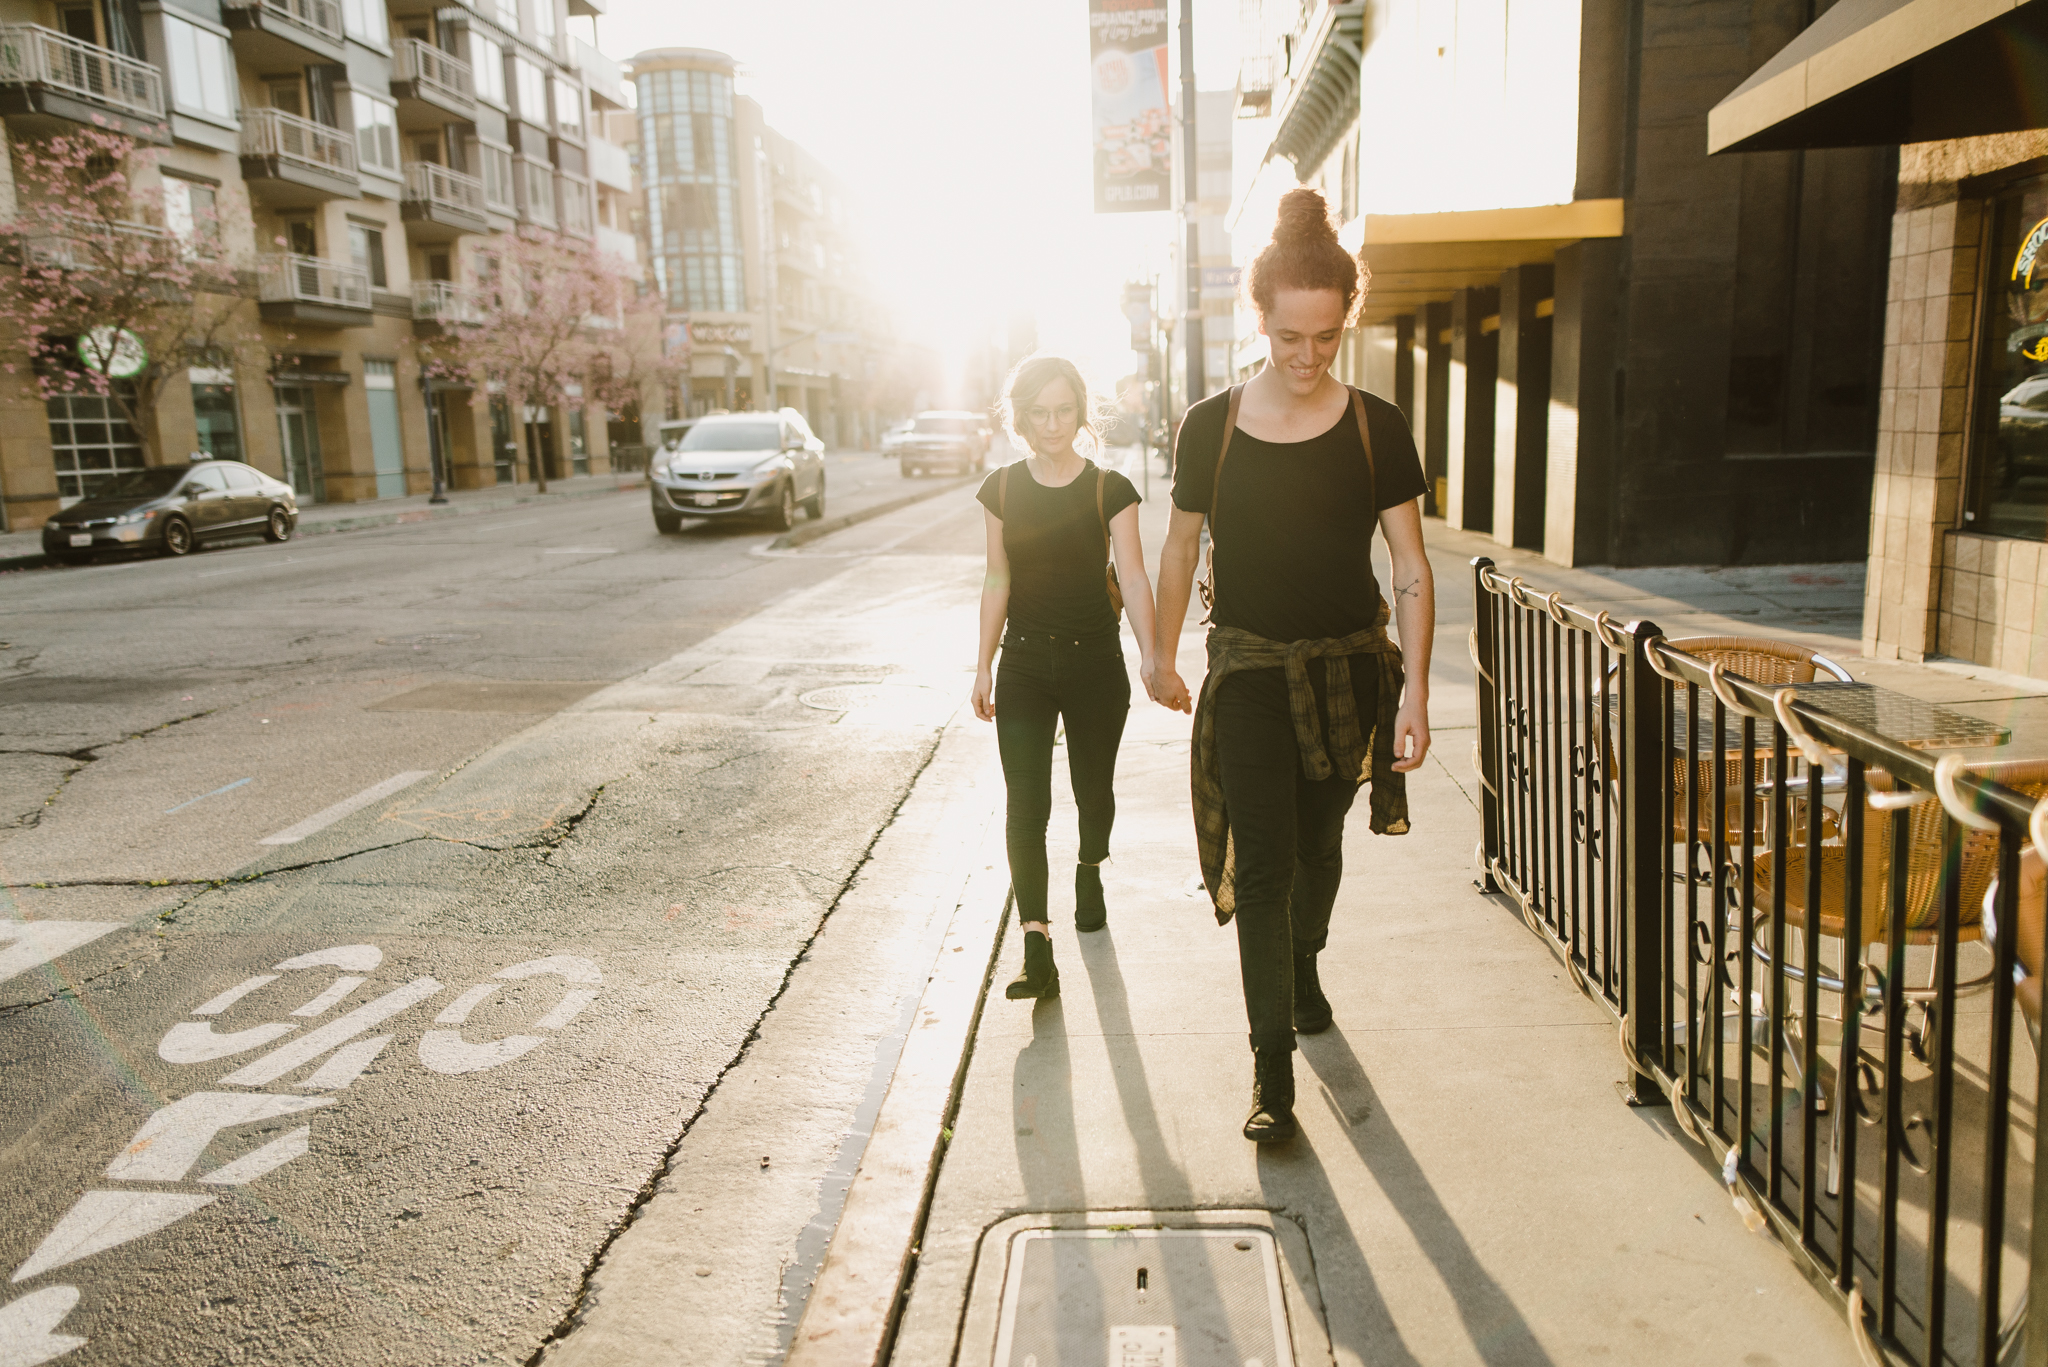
1522	405
1432	395
1468	409
1578	497
1404	366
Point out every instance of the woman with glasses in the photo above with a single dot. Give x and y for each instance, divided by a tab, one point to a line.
1062	548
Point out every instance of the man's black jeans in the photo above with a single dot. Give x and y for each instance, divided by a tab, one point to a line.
1040	680
1287	835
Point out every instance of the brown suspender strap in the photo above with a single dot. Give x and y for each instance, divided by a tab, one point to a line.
1101	477
1206	586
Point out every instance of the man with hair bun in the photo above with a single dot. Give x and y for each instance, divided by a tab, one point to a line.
1306	696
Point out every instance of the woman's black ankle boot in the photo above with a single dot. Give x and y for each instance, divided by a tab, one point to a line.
1272	1117
1312	1014
1039	978
1090	912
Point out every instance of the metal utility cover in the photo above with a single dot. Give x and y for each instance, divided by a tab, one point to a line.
1202	1297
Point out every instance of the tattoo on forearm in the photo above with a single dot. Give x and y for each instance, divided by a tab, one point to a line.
1411	589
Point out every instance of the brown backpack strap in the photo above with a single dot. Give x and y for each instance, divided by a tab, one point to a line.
1002	493
1229	430
1365	439
1101	478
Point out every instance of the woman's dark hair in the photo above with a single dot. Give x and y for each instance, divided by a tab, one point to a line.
1305	255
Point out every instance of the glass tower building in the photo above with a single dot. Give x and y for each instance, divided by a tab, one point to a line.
690	172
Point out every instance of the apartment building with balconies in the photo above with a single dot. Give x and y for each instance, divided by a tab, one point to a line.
377	145
750	241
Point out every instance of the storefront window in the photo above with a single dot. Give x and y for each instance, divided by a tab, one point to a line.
90	442
213	409
2009	469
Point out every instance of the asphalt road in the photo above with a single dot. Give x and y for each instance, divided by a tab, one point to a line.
381	909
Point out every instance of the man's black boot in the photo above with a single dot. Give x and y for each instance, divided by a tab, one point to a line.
1272	1117
1312	1014
1039	978
1090	912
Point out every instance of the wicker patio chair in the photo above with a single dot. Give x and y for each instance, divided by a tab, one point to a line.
1760	661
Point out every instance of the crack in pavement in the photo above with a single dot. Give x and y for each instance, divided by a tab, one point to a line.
572	1317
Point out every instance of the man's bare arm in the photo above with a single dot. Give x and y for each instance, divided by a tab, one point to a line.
1176	583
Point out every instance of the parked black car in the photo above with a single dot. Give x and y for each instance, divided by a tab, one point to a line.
172	508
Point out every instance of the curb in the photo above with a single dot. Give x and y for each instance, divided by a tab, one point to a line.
360	522
811	531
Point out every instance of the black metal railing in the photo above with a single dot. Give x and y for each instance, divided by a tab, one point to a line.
1788	912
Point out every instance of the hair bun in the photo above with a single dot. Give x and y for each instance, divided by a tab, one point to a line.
1304	217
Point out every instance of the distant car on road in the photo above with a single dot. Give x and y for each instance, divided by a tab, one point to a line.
740	465
894	437
171	509
945	439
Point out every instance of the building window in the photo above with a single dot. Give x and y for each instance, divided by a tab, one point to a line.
366	251
190	210
493	164
376	132
530	88
202	71
686	142
544	23
366	22
487	64
2009	469
568	110
213	408
90	442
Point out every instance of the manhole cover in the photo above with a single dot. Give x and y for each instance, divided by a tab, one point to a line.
1201	1297
430	638
874	697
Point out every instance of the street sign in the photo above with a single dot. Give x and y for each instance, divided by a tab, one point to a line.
114	352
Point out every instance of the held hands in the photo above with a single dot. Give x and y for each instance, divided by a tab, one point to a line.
1164	686
1411	734
984	695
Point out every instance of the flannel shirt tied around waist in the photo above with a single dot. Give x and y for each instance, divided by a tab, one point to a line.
1360	754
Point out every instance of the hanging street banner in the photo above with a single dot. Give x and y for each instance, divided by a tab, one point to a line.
1132	116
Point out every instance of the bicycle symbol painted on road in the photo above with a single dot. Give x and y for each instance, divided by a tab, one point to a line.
172	1143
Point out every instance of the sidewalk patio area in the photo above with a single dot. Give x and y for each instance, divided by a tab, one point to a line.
1468	1186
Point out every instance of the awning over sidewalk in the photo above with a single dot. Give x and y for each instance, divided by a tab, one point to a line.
1322	95
1421	259
1873	73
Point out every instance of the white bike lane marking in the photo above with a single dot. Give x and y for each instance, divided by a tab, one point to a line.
326	817
173	1141
35	943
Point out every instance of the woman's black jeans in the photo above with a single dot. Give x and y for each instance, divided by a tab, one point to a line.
1040	680
1287	833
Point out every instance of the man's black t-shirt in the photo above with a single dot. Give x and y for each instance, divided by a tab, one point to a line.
1293	526
1055	543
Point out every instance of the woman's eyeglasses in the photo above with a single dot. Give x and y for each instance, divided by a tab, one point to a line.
1039	417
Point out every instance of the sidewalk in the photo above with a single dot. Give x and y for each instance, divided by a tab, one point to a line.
1467	1186
24	549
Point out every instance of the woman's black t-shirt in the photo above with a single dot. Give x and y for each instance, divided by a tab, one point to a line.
1293	524
1057	550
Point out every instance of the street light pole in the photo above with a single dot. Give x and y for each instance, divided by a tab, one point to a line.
436	456
1191	314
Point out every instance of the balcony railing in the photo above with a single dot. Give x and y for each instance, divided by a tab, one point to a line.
436	185
274	133
286	277
320	18
602	74
443	301
426	65
33	55
74	242
610	164
1256	77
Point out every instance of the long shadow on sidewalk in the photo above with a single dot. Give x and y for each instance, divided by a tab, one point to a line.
1493	1323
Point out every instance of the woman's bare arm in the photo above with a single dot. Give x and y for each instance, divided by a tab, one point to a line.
1415	617
995	610
1128	545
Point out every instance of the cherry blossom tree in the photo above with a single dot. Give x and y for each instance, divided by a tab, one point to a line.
549	318
110	288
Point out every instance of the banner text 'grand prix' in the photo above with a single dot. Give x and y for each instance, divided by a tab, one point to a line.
1133	117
